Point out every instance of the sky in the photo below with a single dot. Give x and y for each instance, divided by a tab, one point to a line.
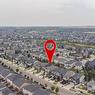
47	12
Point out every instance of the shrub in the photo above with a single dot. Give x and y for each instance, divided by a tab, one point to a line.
56	90
52	88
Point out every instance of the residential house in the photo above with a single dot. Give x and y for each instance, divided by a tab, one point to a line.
34	89
77	78
91	86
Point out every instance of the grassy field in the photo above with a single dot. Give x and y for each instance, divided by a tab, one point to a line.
71	44
79	45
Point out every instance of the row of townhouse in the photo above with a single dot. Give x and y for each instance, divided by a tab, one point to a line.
19	84
58	73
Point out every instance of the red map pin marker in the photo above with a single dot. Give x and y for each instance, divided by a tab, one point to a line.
50	52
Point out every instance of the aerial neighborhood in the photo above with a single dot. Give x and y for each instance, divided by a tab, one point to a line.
24	69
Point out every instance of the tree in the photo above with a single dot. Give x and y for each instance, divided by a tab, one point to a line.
28	77
77	71
28	55
46	85
17	70
52	88
2	64
89	73
57	90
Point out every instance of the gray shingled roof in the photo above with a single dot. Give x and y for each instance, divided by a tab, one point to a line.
76	76
70	62
69	74
51	68
78	63
36	90
4	72
16	79
6	91
59	71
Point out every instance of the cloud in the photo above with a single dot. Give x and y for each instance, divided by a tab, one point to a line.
47	12
79	3
89	4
